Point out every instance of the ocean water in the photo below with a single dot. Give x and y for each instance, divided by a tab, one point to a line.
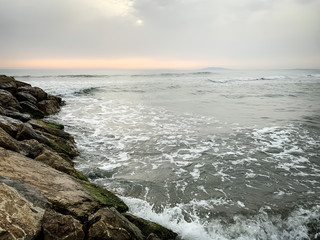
223	154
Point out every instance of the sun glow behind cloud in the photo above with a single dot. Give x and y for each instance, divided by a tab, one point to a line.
165	33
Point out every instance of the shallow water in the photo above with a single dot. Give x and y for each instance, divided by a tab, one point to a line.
211	155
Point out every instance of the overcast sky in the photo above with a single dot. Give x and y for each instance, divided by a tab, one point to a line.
160	33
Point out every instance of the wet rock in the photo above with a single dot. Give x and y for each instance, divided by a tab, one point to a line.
50	127
38	93
17	115
49	106
64	192
24	96
8	142
10	125
7	100
148	227
113	226
33	110
54	160
26	132
31	148
61	227
153	236
55	98
20	219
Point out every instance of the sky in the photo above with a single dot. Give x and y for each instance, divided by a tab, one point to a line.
154	34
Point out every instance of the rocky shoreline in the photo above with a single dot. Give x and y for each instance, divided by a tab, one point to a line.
42	195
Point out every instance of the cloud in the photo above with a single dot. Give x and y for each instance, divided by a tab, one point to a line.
243	32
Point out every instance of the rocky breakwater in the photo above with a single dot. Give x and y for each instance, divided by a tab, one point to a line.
42	195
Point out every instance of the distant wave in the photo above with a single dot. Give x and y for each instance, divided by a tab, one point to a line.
172	74
87	91
246	79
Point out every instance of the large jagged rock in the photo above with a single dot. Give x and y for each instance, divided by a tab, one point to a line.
49	106
10	84
148	227
10	125
17	115
57	226
38	93
8	142
32	109
113	226
24	96
7	100
20	219
65	193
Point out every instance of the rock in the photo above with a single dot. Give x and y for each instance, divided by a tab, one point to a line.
7	100
24	96
64	192
17	115
38	93
10	125
61	145
31	148
20	219
8	142
54	160
55	98
30	193
49	106
26	132
50	127
113	226
61	227
28	107
10	84
153	236
148	227
105	197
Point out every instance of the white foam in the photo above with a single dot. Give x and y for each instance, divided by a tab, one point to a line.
260	226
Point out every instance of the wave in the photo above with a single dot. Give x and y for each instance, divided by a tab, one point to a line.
173	74
87	91
298	224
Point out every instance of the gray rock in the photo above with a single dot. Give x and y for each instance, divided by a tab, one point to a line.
20	219
17	115
28	107
49	106
10	125
24	96
7	100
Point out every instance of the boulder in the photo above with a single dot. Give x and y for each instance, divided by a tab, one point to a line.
7	83
33	110
25	131
24	96
38	93
30	193
8	142
20	219
17	115
54	160
31	148
148	227
64	192
61	227
10	125
7	100
55	98
113	226
49	106
50	127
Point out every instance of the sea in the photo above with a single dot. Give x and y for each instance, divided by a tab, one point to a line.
210	154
